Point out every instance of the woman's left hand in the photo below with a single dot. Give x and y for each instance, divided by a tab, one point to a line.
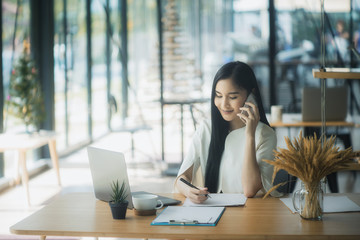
251	119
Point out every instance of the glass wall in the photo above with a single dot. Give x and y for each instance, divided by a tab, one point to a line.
16	18
99	81
116	67
143	50
59	75
77	97
191	55
71	99
298	50
250	41
296	54
143	74
355	31
16	29
354	34
215	28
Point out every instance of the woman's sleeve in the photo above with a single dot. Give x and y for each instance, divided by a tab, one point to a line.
192	158
265	150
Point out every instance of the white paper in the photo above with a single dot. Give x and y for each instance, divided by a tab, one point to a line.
187	214
332	204
219	200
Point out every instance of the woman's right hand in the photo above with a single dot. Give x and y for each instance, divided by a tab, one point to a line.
197	195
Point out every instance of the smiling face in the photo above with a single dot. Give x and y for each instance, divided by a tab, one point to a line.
228	99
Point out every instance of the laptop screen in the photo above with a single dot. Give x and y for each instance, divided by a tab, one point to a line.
108	166
336	104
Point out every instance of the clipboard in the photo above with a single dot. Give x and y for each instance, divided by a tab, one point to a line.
188	216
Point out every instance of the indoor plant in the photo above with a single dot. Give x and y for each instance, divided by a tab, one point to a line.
118	202
311	160
25	99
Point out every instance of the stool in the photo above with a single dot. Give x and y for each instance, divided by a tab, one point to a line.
132	130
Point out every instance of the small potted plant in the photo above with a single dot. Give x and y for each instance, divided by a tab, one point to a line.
118	203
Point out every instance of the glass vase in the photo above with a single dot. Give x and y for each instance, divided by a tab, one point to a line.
308	201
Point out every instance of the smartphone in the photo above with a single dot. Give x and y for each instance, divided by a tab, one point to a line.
250	98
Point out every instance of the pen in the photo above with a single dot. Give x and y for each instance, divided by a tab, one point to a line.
190	185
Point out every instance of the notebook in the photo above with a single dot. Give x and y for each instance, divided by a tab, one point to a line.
107	166
336	104
220	200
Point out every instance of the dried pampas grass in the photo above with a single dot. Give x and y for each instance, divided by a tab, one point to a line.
308	160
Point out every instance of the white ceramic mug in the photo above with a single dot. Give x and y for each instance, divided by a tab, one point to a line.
276	113
146	202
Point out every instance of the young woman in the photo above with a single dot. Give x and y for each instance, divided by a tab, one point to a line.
226	153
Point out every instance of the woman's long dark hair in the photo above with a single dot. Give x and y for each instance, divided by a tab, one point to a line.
242	76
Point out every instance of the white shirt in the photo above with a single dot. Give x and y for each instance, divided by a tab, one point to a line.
232	158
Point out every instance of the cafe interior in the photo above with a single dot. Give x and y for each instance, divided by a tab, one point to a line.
135	76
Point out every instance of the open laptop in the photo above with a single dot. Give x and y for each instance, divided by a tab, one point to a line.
107	166
336	104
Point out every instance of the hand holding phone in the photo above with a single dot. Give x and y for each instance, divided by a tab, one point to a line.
250	98
250	116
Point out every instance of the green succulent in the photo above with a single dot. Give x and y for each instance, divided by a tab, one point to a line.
118	192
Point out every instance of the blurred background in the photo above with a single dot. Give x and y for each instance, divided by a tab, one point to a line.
141	70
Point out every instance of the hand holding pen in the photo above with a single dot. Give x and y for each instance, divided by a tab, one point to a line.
196	195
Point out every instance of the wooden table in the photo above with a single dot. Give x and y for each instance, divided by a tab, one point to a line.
294	120
80	214
24	142
313	124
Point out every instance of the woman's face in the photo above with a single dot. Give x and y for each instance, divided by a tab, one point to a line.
228	99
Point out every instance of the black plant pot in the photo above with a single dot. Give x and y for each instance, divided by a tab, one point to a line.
118	210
